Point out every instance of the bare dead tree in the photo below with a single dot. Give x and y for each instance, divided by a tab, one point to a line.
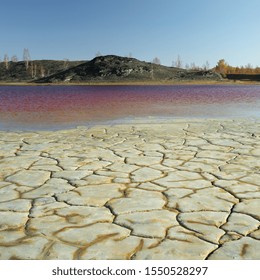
6	61
31	69
14	58
65	63
178	62
206	66
193	66
42	71
26	58
156	60
35	71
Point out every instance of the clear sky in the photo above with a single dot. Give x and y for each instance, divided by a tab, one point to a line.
197	30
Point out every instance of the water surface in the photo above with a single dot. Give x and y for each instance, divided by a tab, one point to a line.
54	107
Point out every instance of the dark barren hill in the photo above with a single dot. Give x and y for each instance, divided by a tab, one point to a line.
108	68
113	68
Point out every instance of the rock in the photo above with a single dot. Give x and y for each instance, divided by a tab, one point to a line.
145	174
137	200
97	195
152	224
92	234
250	207
245	248
52	187
30	178
241	223
112	249
28	249
206	224
12	220
190	248
208	199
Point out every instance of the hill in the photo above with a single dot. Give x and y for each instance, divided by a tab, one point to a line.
108	68
19	72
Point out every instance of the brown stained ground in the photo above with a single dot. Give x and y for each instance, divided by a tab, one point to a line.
183	189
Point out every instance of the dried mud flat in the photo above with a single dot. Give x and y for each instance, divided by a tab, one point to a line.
185	189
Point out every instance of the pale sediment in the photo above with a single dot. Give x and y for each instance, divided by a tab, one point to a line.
183	189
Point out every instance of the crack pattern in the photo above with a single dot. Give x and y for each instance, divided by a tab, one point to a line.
177	190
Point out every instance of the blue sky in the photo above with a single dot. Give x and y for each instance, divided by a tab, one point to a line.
197	30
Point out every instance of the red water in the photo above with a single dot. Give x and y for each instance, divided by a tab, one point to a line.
57	106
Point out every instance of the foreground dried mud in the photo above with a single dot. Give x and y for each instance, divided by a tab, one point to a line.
186	189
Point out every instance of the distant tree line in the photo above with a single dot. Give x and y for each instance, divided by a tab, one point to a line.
224	68
178	63
35	69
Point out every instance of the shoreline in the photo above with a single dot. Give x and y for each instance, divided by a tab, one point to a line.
133	83
127	122
185	189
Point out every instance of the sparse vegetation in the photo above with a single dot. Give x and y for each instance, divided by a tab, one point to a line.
112	68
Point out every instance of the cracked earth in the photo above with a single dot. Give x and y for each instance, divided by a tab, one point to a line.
177	190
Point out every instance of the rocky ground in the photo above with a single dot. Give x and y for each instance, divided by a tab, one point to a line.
186	189
112	68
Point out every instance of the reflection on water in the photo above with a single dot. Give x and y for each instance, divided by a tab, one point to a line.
57	106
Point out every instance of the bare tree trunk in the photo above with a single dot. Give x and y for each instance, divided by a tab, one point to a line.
178	62
65	63
206	66
42	71
6	61
35	71
26	58
156	60
152	74
14	58
32	69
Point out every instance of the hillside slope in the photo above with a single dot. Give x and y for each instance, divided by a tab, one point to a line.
116	68
18	72
110	68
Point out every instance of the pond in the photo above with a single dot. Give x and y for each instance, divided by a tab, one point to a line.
54	107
